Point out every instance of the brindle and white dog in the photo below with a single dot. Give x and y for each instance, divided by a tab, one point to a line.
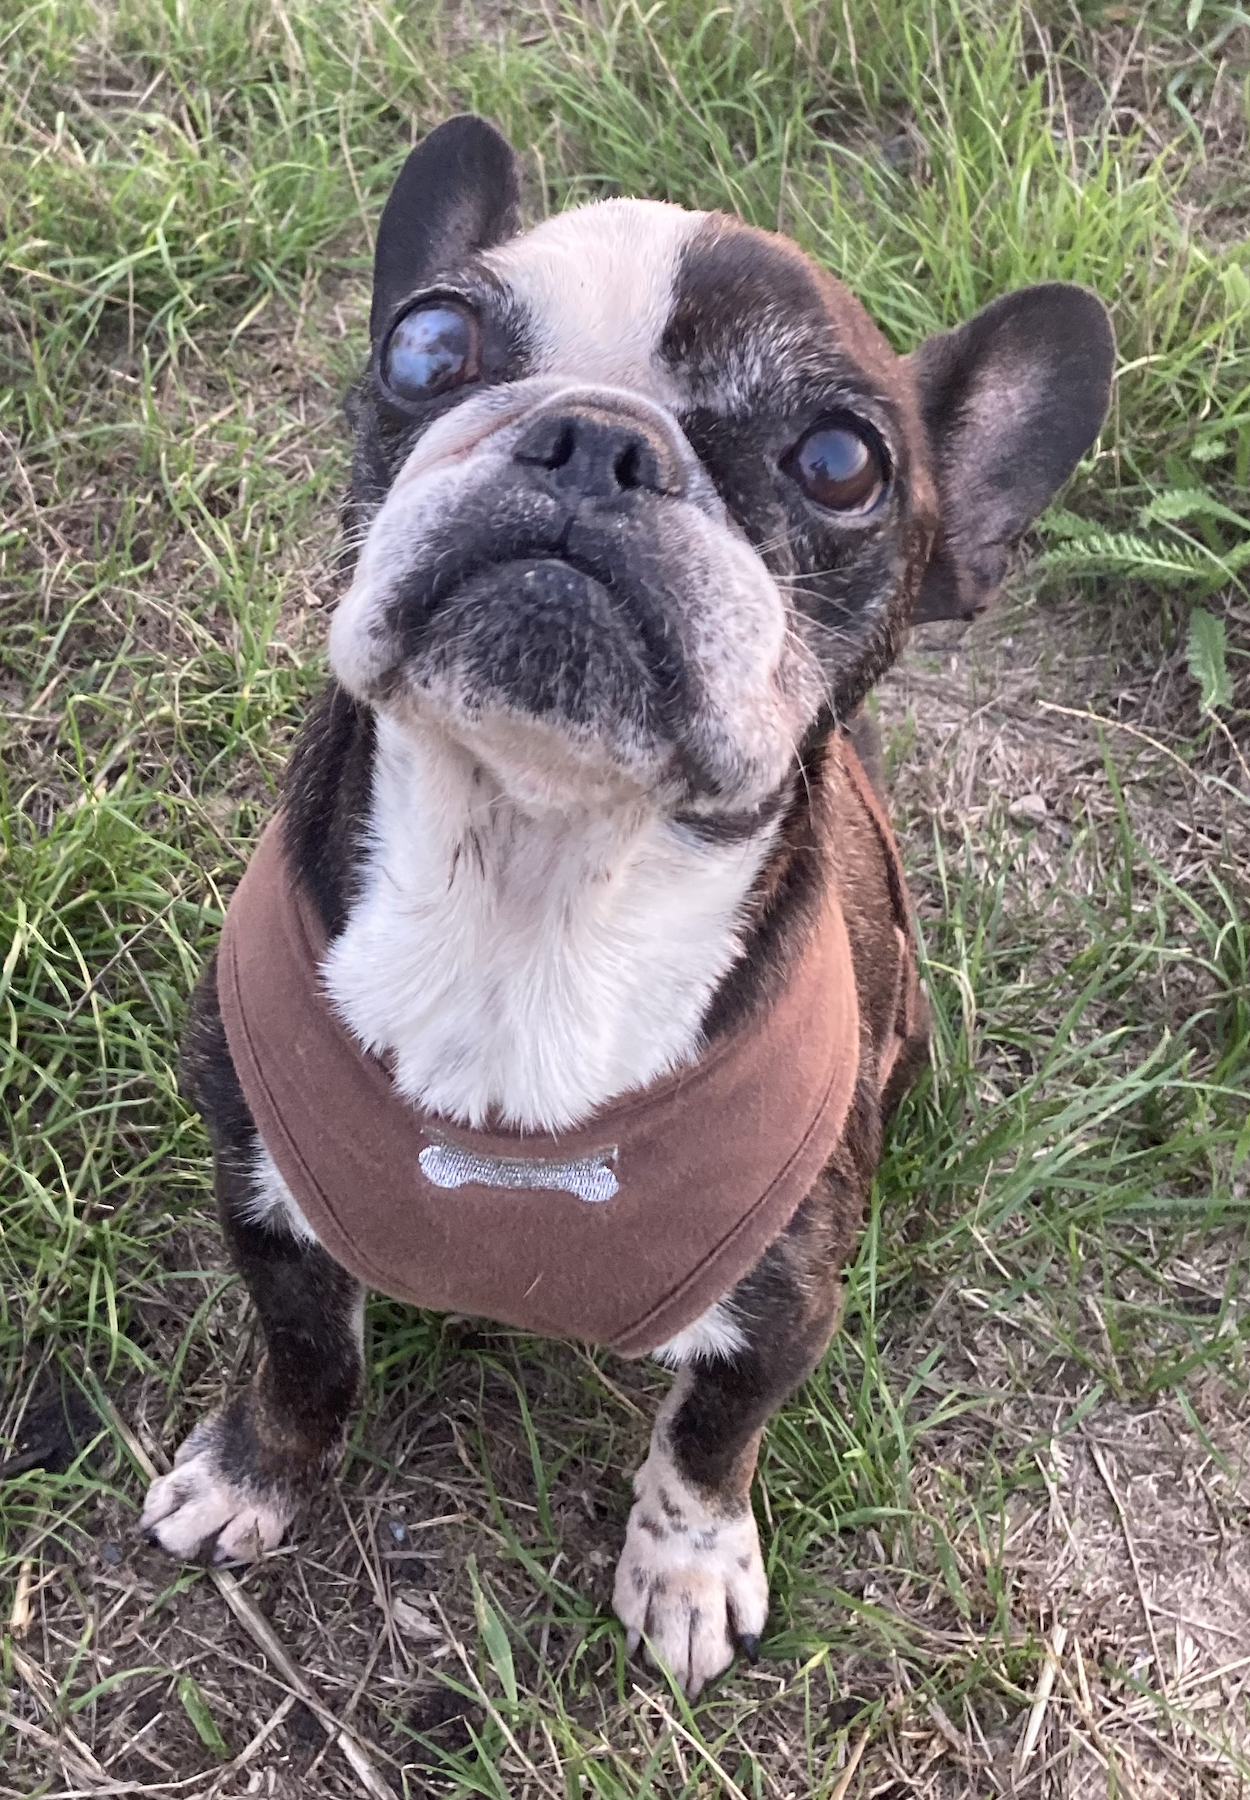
642	505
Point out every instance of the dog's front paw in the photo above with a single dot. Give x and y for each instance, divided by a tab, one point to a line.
200	1513
690	1580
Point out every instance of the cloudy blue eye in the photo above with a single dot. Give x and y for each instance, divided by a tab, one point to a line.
841	465
433	348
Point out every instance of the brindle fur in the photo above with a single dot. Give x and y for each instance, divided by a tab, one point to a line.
988	421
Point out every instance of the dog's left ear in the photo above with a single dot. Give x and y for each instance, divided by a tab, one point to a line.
458	192
1011	401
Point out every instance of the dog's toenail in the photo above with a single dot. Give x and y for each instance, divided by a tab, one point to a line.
750	1647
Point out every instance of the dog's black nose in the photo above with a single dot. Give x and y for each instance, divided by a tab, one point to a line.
598	455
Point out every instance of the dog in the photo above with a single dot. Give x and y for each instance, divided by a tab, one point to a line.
573	984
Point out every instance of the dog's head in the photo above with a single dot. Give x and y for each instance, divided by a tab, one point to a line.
643	499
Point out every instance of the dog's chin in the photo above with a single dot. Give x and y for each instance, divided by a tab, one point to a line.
545	766
540	765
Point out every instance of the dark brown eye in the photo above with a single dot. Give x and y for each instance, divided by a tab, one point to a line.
431	349
840	465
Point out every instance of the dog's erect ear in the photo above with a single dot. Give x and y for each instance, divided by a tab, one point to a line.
458	192
1011	401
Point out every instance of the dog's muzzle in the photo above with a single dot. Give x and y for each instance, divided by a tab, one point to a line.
554	583
559	555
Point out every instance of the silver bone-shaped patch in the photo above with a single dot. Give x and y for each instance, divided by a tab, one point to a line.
589	1177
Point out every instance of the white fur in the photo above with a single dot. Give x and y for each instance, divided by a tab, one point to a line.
715	1336
597	284
690	1580
271	1201
529	965
196	1504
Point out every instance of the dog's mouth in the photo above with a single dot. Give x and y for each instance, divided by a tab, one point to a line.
574	630
564	590
548	579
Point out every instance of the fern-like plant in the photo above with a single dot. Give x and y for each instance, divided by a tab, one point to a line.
1185	538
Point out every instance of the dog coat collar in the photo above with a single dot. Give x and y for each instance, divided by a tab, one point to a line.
620	1231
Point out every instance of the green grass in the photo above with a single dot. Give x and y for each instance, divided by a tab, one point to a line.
186	192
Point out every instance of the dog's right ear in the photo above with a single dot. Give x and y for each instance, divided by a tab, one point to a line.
458	192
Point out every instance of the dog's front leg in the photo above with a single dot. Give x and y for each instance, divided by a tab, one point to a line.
246	1470
691	1577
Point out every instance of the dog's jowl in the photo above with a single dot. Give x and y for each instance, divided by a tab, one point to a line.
572	984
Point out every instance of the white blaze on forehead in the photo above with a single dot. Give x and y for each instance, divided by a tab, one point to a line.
597	285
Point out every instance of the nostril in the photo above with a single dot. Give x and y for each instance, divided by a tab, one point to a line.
625	467
549	442
562	448
638	466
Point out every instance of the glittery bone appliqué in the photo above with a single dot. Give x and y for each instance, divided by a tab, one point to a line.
449	1165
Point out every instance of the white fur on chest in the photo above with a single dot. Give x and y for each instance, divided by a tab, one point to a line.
528	966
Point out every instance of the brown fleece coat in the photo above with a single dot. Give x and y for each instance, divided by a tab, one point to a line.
623	1230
